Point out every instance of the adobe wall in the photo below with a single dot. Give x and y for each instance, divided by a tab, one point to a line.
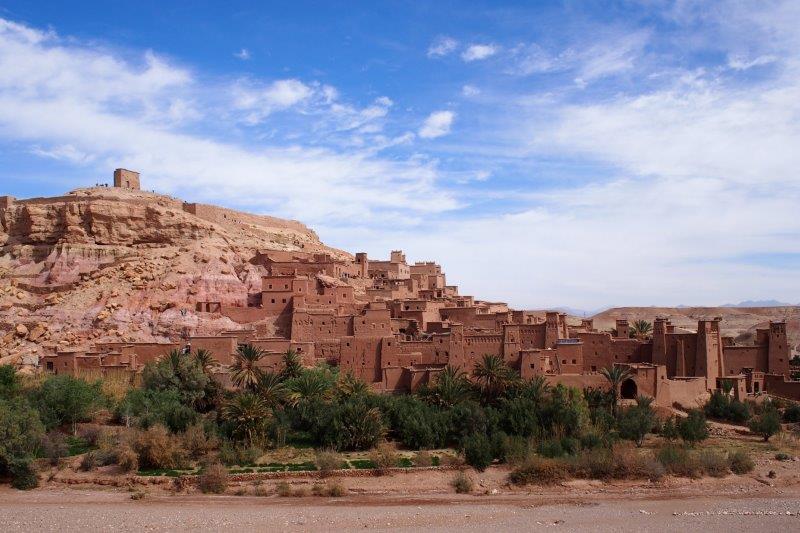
230	218
221	348
779	385
600	351
243	315
476	346
737	358
691	392
146	352
579	381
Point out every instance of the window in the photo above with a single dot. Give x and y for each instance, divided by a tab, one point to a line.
273	300
283	301
594	368
574	362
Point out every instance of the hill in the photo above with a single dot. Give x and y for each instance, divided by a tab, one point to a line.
109	264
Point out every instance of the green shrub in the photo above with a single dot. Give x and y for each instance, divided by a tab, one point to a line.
680	462
478	451
23	476
10	383
550	448
462	483
766	424
694	427
636	421
89	461
781	456
182	374
713	463
740	462
354	425
146	408
792	413
540	470
213	479
669	430
64	399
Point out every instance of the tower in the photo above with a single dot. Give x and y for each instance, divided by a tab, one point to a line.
708	360
363	264
126	179
778	349
623	329
660	342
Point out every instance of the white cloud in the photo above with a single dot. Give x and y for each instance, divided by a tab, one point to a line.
478	52
738	62
243	54
86	104
442	46
470	90
437	124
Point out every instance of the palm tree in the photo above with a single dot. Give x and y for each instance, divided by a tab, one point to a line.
535	389
452	386
641	328
615	376
493	377
270	388
348	385
245	372
308	387
205	359
292	365
248	413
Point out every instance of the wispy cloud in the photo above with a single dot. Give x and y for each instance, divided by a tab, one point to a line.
243	54
478	52
442	46
437	124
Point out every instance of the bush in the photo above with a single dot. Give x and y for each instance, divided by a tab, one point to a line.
10	384
550	448
64	399
327	461
23	475
740	462
197	442
680	462
767	424
724	407
127	459
462	483
621	462
180	373
335	490
88	461
478	452
146	408
635	422
213	479
792	413
713	463
670	429
283	489
89	433
694	427
157	448
384	456
781	456
540	470
54	447
423	459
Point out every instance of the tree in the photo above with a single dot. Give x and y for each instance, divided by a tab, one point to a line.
478	451
245	371
637	421
64	399
179	372
354	425
694	427
21	431
9	382
147	408
768	423
641	328
670	430
493	377
248	414
348	385
615	376
450	387
309	386
271	388
292	365
205	359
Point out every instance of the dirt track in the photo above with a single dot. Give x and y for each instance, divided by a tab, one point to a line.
94	510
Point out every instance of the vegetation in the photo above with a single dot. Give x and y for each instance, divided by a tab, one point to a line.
766	424
637	421
641	328
213	479
693	428
723	406
615	376
462	483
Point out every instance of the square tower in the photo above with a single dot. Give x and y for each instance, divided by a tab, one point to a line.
126	179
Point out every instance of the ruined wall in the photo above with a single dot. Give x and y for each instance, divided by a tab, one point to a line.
230	218
781	386
737	358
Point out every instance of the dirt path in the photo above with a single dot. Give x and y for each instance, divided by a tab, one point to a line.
66	510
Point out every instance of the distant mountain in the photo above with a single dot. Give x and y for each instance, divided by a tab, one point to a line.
581	312
759	303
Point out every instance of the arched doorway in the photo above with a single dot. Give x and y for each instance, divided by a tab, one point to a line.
628	390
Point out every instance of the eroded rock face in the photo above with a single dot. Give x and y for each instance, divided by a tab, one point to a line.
107	264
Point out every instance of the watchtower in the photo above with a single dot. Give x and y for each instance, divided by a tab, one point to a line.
126	179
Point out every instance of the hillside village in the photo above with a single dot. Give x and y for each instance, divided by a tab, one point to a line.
392	324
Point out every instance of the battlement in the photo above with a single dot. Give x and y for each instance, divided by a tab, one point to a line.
6	201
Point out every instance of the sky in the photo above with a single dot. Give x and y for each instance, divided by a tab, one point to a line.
580	154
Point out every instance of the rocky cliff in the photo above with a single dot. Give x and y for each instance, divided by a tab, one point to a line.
111	264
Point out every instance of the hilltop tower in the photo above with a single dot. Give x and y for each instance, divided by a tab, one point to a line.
126	179
778	354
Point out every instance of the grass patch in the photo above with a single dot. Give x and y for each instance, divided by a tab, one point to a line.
77	445
362	464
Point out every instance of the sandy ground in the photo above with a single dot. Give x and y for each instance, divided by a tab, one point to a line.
568	509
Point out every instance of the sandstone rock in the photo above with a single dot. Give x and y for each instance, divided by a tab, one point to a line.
37	332
21	330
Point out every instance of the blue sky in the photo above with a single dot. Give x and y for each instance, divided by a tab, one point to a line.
581	154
